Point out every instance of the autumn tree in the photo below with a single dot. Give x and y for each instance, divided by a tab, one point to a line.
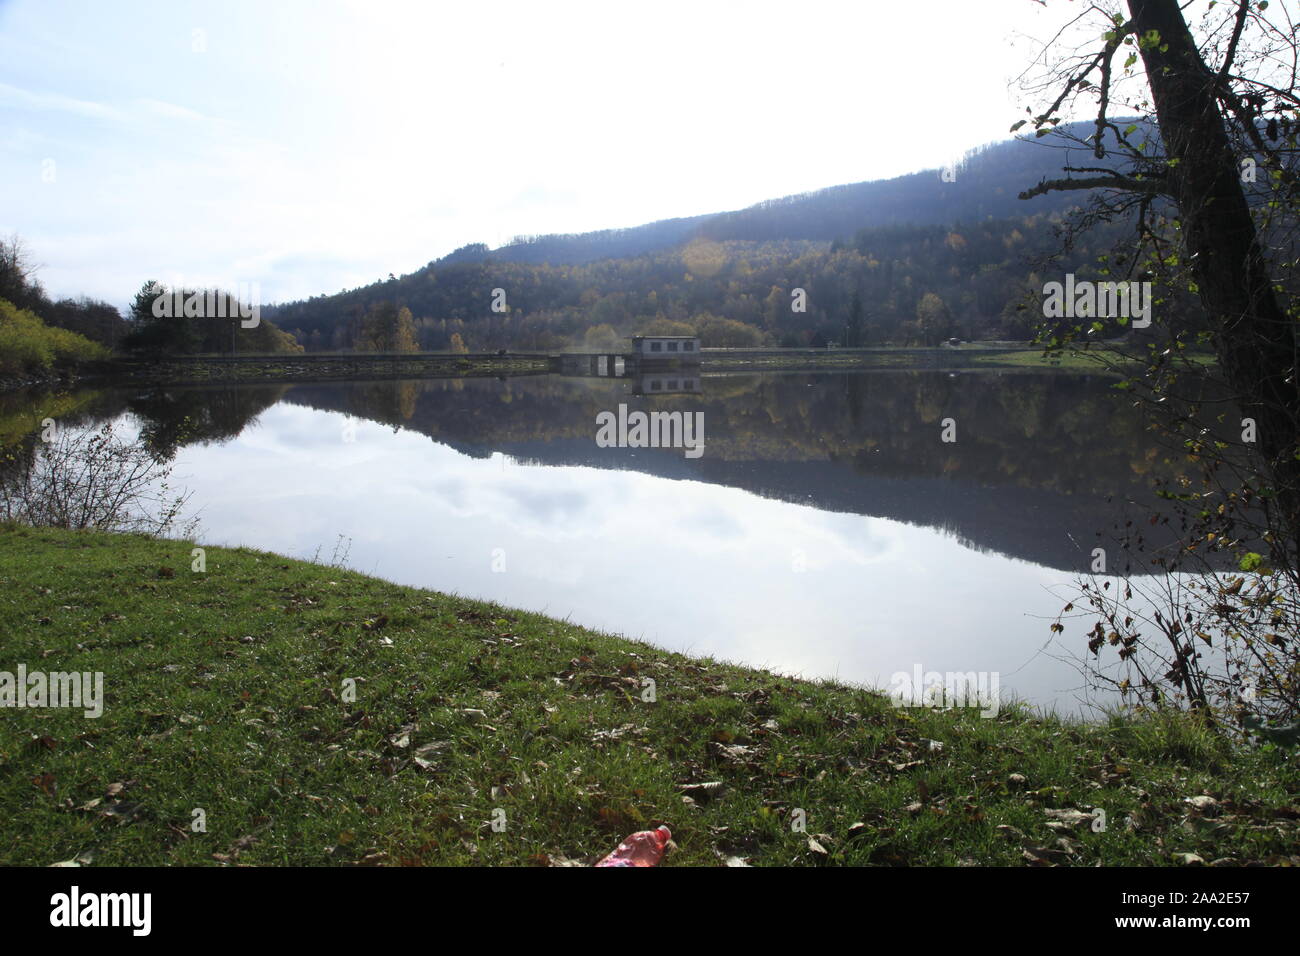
601	338
386	328
855	336
1213	105
933	319
167	321
1206	169
97	321
661	326
17	273
716	332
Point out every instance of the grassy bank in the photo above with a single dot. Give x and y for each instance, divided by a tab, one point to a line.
1036	358
829	359
1100	360
225	690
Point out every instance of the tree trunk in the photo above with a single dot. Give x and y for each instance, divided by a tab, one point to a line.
1255	341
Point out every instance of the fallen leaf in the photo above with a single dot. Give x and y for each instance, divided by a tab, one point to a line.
1042	856
1070	817
703	791
1203	803
423	755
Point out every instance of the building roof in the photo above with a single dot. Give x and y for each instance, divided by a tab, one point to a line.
635	337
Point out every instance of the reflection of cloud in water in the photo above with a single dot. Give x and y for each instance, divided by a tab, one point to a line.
687	565
721	524
556	507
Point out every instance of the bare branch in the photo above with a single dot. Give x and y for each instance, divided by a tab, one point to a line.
1116	181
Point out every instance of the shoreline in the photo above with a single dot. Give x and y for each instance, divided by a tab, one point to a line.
324	367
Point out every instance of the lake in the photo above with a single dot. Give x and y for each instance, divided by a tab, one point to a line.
825	529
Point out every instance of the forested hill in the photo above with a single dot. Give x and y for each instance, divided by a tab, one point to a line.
587	246
983	185
911	260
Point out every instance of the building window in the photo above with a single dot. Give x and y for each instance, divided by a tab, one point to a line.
672	346
672	383
655	386
656	346
688	346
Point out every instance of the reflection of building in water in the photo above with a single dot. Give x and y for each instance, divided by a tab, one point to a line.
594	364
666	383
648	352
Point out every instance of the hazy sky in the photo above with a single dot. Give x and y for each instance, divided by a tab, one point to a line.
314	146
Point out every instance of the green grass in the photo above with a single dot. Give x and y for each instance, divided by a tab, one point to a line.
1070	361
225	691
831	358
1101	360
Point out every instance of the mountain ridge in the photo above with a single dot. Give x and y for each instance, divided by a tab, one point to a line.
914	259
908	198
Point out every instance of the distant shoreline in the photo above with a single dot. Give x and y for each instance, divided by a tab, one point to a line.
338	366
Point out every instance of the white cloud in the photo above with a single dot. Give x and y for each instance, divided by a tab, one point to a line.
14	98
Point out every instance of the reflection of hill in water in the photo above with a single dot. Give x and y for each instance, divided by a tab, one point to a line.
1042	462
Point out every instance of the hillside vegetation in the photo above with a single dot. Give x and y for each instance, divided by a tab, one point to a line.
909	261
30	347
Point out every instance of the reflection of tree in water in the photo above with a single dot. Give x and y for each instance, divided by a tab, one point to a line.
1058	432
169	419
855	397
23	415
173	418
390	403
1043	461
1041	448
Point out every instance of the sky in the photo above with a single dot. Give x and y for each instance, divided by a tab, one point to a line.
308	147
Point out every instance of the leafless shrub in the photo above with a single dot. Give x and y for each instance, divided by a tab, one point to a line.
92	479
